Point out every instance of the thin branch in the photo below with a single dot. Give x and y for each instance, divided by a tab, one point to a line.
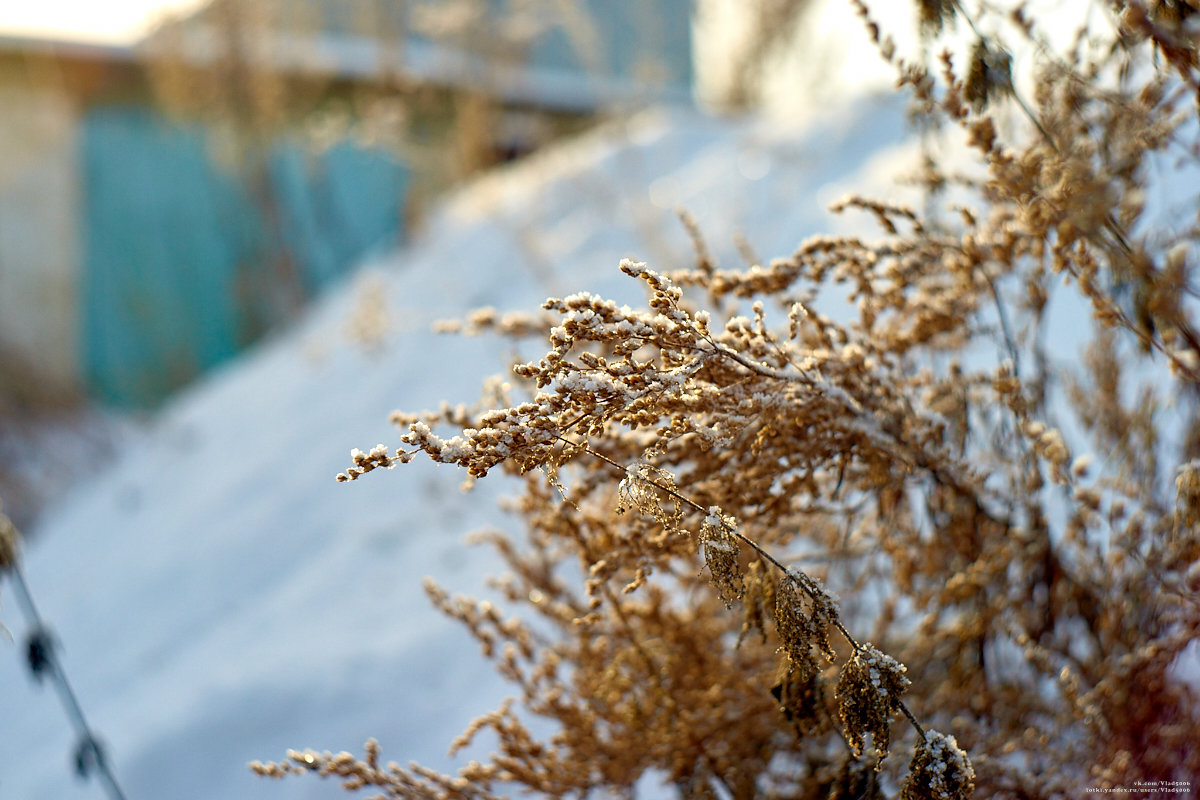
762	553
89	753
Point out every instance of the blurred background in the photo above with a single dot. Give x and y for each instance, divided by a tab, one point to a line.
177	179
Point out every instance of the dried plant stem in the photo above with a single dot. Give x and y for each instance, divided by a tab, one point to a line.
762	553
655	670
89	753
1114	228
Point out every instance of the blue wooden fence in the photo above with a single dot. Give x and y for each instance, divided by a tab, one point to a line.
179	262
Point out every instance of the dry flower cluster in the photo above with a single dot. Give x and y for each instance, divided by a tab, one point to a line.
1029	603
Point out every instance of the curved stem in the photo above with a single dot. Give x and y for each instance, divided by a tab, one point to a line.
89	745
762	553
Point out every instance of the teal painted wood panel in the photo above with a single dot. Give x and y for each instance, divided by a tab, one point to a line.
165	235
337	206
179	262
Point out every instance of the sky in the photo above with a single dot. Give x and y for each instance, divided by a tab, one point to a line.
107	22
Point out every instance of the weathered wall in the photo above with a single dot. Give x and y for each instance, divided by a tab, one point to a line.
39	230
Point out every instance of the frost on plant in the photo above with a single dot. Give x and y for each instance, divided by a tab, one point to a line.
721	554
868	695
804	614
940	770
651	491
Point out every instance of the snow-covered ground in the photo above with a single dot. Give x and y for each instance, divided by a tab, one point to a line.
220	598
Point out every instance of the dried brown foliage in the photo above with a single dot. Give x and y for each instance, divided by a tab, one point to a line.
1030	533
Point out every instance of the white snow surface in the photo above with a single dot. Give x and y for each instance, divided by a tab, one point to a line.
219	598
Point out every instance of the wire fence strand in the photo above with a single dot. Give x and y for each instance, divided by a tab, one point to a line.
42	659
